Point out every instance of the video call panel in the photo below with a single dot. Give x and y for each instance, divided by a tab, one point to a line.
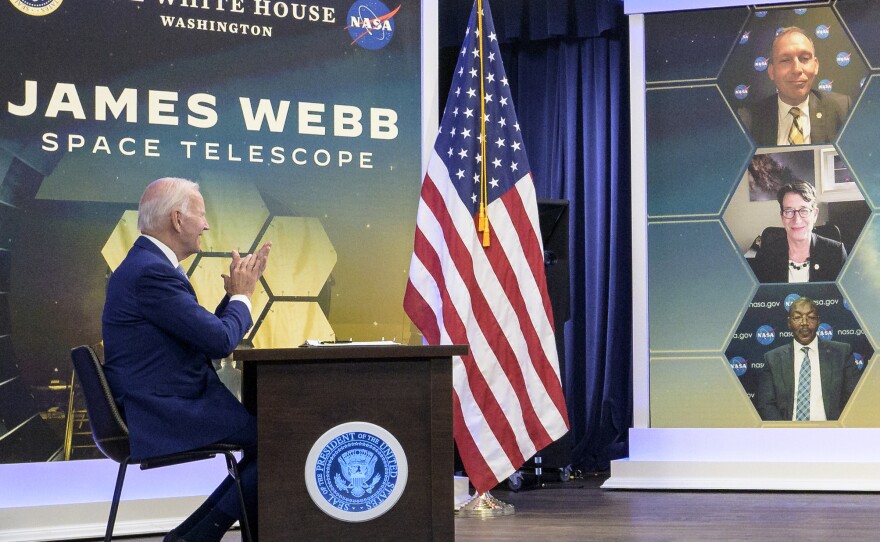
736	195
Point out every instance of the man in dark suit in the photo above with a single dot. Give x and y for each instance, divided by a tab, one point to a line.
159	342
797	114
817	376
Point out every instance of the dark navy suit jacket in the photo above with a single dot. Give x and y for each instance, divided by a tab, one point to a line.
827	112
158	344
774	396
827	257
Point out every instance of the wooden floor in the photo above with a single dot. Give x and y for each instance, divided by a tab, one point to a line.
579	510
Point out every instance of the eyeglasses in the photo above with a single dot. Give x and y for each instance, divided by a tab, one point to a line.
804	212
811	318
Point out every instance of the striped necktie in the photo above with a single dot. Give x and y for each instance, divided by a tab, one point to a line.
802	410
795	134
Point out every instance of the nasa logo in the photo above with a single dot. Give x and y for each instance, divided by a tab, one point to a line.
745	37
741	92
846	305
823	31
739	366
371	24
765	335
800	11
37	8
825	85
760	63
860	361
760	14
356	471
825	332
843	59
789	299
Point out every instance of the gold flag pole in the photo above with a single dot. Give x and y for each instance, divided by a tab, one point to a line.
483	505
484	194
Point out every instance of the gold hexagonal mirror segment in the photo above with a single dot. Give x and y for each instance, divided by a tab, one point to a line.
208	284
235	212
121	239
290	323
302	256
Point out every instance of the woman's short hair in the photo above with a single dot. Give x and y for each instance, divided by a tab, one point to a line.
801	188
160	198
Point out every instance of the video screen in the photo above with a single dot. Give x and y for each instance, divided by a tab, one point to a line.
762	230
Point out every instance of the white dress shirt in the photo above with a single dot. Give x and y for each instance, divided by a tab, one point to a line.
785	120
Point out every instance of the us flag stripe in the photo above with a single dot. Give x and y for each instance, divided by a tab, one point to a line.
508	402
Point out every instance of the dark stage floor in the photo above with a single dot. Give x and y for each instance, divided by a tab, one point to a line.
580	510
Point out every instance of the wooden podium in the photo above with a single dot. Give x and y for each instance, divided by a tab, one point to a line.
298	394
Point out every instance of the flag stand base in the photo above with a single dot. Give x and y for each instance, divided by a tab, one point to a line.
485	506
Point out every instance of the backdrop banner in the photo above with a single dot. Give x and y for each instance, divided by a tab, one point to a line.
301	122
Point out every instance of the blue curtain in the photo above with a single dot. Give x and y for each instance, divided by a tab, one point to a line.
566	61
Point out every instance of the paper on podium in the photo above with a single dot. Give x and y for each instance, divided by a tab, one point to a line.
313	342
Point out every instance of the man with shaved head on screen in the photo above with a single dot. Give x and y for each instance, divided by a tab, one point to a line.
797	114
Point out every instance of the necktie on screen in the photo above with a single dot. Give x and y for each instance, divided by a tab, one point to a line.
802	411
795	134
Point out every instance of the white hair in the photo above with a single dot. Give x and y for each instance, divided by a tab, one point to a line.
160	198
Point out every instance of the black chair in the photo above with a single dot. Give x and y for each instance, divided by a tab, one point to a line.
111	435
831	231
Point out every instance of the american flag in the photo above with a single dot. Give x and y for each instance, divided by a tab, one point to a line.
508	401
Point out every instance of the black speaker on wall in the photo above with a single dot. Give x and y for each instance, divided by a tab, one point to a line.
553	220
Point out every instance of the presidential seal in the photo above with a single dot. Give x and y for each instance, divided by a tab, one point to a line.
36	7
356	471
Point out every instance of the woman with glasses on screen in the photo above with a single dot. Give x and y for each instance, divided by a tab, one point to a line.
802	255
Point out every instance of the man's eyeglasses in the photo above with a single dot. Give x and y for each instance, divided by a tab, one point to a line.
805	212
811	318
